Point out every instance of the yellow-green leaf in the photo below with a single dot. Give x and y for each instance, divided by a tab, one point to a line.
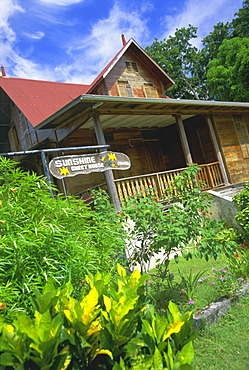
121	271
103	352
175	327
108	303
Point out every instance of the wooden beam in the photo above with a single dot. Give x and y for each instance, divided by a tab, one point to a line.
184	140
108	174
217	149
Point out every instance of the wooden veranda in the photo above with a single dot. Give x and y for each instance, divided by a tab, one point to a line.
209	177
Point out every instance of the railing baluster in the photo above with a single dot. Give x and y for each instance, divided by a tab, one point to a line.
210	174
120	193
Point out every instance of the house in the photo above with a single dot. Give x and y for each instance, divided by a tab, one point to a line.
126	107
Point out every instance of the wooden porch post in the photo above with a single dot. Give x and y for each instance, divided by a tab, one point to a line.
108	174
184	139
217	149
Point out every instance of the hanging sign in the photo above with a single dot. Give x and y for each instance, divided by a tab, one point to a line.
73	165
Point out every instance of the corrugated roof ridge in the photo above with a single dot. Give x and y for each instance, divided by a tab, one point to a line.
45	81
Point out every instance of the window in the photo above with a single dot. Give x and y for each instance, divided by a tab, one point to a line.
125	90
150	91
131	66
242	134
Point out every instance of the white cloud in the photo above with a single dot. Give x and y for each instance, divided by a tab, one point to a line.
25	68
87	56
202	14
7	35
10	58
8	9
61	2
35	36
96	50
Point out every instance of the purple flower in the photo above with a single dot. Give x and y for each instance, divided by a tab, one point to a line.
224	270
191	301
221	278
214	270
229	272
239	304
241	279
212	283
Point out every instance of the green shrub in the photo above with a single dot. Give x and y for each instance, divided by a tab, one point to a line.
110	327
184	228
41	236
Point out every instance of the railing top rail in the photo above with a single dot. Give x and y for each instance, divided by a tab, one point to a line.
160	173
150	174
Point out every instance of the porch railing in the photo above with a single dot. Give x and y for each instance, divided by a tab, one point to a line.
208	177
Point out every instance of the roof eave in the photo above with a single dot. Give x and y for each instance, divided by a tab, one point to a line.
93	101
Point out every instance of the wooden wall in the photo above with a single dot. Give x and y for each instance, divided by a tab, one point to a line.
237	165
137	79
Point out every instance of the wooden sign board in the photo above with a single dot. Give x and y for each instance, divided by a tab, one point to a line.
73	165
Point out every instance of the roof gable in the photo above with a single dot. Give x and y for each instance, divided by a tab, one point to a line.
144	58
38	100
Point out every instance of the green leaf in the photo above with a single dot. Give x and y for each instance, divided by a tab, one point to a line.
187	353
174	310
6	359
27	327
157	359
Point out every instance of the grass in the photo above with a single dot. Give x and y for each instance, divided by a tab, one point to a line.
203	294
225	345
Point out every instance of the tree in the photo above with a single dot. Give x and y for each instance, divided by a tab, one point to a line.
179	59
207	73
211	44
241	21
213	41
228	74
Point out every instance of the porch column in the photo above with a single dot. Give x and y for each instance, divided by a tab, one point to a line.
108	174
217	149
184	139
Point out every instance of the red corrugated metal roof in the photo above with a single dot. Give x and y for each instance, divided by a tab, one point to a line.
40	99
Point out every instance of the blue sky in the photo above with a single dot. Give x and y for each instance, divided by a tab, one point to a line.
73	40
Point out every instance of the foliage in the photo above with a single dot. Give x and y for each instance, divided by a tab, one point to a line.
171	287
239	262
109	328
225	282
178	58
228	75
108	231
185	228
242	201
241	20
41	236
211	44
189	282
143	222
189	66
